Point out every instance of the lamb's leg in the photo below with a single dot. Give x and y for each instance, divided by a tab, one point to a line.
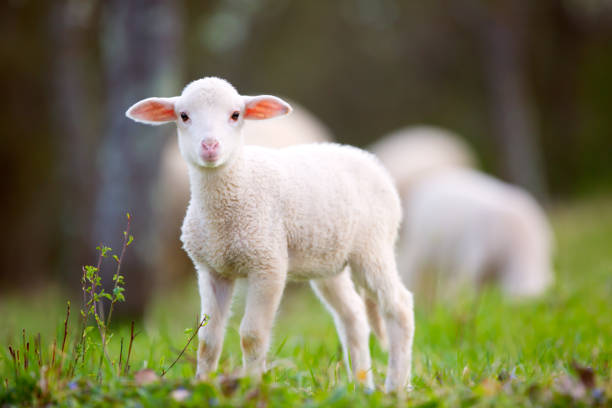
348	310
264	292
376	321
378	275
215	296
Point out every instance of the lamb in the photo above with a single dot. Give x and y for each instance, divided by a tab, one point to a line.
463	228
171	263
269	215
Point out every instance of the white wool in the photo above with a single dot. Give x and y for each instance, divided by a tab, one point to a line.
462	228
172	192
308	195
414	152
269	215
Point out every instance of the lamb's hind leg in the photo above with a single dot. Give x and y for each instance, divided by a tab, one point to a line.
376	322
346	306
377	273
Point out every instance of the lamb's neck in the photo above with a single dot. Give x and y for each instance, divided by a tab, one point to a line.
211	185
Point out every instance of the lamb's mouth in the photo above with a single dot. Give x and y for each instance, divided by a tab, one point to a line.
209	158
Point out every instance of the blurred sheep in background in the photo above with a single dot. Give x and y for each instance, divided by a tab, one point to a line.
412	153
462	228
172	264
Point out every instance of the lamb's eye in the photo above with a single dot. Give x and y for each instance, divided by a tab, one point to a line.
235	116
184	117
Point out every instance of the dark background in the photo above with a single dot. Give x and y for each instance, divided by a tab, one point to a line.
527	83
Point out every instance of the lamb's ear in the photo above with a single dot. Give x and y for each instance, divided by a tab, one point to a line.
153	111
265	107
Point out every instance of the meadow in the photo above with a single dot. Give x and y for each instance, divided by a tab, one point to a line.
477	350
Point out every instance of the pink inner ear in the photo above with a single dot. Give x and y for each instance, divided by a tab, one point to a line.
264	109
154	111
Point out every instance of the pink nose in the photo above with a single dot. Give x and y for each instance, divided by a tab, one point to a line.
210	145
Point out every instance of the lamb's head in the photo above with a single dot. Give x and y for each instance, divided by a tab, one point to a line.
209	116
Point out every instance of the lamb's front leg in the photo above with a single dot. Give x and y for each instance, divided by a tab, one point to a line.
264	291
216	296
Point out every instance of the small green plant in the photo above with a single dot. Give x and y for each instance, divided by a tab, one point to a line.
37	371
93	300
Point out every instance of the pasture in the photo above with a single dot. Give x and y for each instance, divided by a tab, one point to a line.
476	350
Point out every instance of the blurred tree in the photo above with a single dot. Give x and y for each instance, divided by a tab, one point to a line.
73	30
553	39
499	27
141	42
509	90
570	49
28	240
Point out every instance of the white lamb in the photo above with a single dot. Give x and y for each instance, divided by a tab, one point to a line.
462	228
172	193
268	215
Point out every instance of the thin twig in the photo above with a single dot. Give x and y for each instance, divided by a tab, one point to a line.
127	360
26	349
99	375
38	349
15	364
65	335
104	352
126	235
78	345
53	354
185	357
195	333
26	356
120	355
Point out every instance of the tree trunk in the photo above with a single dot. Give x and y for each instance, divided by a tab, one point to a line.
513	125
75	125
140	55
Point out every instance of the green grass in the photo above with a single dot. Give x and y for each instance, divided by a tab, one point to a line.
485	352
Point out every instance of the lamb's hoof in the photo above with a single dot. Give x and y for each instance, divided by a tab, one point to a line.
391	386
229	384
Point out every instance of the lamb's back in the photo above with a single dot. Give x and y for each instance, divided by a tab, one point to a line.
335	200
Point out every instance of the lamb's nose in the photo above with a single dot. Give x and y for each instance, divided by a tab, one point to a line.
210	145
